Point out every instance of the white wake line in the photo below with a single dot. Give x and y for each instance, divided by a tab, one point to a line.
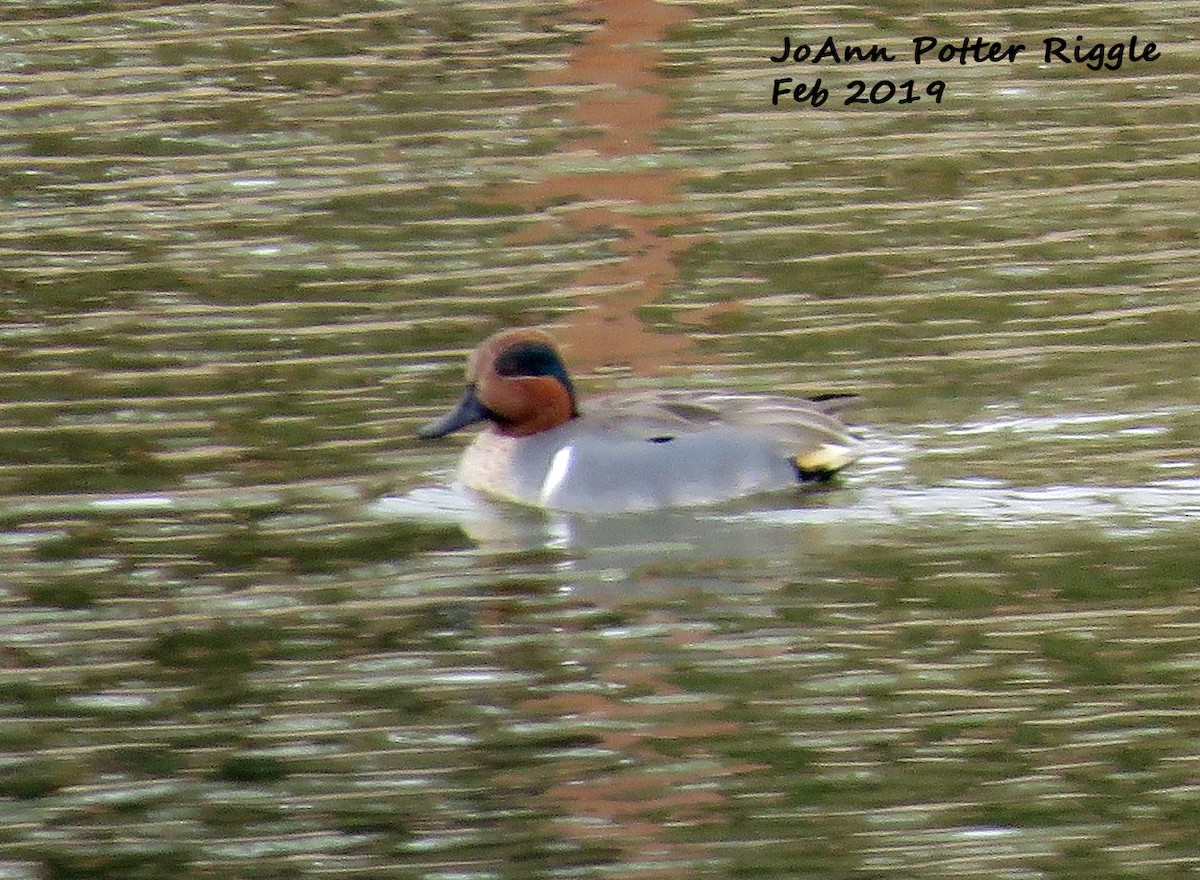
1154	504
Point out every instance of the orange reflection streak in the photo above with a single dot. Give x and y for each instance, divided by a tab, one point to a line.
656	771
624	110
631	109
646	783
665	772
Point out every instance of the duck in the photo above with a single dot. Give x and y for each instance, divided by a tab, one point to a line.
633	451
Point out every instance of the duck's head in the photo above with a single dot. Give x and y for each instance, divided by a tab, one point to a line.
517	381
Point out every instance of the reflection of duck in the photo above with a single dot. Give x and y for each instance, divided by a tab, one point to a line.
638	451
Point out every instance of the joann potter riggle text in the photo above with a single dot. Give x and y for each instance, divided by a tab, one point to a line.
977	50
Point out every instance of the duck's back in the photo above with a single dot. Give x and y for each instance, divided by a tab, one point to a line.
797	423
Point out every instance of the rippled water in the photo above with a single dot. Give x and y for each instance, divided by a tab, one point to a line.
250	630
